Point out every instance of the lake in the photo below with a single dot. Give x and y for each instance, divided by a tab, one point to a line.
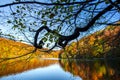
63	69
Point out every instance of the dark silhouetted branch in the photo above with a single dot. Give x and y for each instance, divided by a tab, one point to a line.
62	41
42	3
5	59
92	22
114	4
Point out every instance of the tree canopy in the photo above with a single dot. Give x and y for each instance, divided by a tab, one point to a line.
59	21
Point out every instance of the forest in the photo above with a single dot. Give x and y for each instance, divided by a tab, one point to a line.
75	36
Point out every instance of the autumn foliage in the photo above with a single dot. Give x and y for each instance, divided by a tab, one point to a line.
103	43
92	70
11	49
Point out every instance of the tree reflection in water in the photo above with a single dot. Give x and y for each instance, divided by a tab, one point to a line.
18	66
93	70
87	70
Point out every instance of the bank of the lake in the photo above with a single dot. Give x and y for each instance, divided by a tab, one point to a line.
101	44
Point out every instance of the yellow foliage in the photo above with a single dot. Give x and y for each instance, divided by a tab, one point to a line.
9	49
97	44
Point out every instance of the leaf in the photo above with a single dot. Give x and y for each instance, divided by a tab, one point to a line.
63	0
15	26
23	26
16	21
51	40
51	24
44	39
43	15
24	14
47	34
9	21
71	8
106	1
23	8
18	11
51	15
39	13
44	22
18	7
48	44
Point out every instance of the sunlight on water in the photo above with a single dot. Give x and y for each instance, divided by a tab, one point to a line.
52	72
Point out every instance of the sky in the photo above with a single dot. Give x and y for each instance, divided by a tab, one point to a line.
7	29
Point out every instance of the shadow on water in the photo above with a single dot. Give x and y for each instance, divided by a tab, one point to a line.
63	69
93	69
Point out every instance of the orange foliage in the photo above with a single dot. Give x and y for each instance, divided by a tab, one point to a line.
102	43
93	70
7	67
9	49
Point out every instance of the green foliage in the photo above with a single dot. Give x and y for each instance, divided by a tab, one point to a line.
106	1
9	21
44	23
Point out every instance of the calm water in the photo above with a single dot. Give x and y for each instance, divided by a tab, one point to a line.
63	70
52	72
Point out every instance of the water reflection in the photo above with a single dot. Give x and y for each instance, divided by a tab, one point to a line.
37	70
45	69
53	72
93	70
18	66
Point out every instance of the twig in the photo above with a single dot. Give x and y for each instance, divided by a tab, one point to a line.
5	59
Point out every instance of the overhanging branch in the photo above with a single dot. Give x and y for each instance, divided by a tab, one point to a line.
42	3
92	22
114	4
62	41
10	58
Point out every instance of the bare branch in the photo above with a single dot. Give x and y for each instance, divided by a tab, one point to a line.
42	3
5	59
114	4
50	48
92	22
63	40
26	37
32	30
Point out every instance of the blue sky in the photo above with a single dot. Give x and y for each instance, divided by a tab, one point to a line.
7	28
5	1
